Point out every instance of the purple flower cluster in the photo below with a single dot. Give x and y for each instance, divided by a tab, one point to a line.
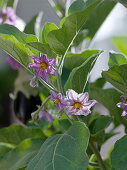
43	66
74	103
123	105
7	16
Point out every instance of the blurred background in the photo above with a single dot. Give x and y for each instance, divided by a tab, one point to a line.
115	24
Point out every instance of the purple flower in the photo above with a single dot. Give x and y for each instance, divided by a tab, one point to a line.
43	66
7	16
78	104
123	105
44	115
57	99
14	64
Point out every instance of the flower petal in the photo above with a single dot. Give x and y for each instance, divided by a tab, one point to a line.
90	103
53	95
36	59
52	61
83	97
33	65
72	95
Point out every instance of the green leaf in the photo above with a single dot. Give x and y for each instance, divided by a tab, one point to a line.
99	124
116	59
20	156
108	98
4	148
65	151
15	49
124	2
12	3
121	43
118	155
97	17
45	31
29	28
15	134
77	6
65	124
79	75
20	36
117	76
42	48
61	39
73	60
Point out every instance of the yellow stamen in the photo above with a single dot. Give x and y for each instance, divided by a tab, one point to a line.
56	101
43	65
77	105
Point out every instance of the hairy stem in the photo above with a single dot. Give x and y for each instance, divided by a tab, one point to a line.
98	156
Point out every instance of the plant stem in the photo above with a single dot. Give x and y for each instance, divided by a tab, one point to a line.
98	156
94	164
59	83
36	113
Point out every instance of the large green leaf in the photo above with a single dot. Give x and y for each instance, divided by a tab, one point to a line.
42	48
64	152
99	124
20	156
20	36
108	98
45	31
116	59
117	76
15	49
121	43
61	39
73	60
4	148
119	154
14	134
79	75
97	17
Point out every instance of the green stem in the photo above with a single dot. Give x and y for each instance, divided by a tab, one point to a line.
35	116
98	156
94	164
60	89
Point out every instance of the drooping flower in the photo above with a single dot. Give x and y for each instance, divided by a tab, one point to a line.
14	64
123	105
58	100
43	66
78	104
34	82
44	115
7	16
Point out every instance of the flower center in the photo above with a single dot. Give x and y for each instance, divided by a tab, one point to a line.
43	65
56	101
77	105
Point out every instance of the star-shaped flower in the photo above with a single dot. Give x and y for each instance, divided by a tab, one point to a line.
78	104
43	66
